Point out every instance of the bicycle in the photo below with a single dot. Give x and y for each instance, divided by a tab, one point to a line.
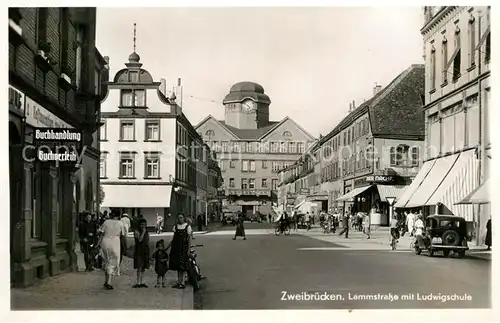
286	230
395	237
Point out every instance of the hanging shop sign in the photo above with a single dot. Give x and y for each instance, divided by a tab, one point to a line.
38	116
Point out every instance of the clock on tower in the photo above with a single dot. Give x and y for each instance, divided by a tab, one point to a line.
247	106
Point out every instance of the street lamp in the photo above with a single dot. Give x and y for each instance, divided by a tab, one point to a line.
391	201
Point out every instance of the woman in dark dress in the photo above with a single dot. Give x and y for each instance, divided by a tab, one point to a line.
488	234
179	252
141	253
240	229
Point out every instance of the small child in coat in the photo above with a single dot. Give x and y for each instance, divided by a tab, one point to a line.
161	263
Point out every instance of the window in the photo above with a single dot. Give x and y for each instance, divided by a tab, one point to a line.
236	147
252	165
264	182
43	14
300	147
102	165
133	77
232	164
225	146
152	167
251	183
456	57
264	164
140	98
393	156
274	147
414	156
472	41
292	147
444	53
209	133
249	147
487	54
127	98
231	182
283	147
244	183
275	166
127	130
244	166
287	134
127	166
274	184
103	130
64	45
433	68
152	130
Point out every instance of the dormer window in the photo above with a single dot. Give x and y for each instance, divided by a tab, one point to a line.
133	98
133	77
287	134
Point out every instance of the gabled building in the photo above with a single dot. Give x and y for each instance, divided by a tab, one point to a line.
374	152
153	162
252	149
457	51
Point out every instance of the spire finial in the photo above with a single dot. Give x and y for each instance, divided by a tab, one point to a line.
134	34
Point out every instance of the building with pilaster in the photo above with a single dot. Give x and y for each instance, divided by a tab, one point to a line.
251	148
457	51
54	82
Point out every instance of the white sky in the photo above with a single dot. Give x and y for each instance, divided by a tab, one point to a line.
311	61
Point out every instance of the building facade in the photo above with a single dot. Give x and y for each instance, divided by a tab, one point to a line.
457	51
251	149
54	82
153	162
372	154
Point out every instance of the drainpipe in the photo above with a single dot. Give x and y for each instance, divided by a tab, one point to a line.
481	153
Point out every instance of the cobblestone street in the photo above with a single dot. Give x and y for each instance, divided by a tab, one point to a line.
84	291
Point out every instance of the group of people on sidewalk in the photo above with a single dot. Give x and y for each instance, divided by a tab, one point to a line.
108	241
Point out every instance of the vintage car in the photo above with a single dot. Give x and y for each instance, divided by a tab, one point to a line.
446	233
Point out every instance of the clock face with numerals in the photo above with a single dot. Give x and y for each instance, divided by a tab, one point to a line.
247	106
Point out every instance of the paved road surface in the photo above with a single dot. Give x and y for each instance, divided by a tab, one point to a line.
254	274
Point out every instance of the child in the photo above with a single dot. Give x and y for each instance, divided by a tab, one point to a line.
141	253
161	263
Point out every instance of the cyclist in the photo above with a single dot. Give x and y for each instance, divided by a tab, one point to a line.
394	232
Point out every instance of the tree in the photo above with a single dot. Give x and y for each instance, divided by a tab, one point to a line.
101	195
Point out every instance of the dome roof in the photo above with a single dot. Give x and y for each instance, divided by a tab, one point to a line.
247	87
246	90
134	57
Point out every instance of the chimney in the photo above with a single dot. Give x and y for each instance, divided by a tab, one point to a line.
377	89
350	107
353	105
163	87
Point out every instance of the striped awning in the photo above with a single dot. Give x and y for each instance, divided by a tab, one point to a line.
415	184
385	191
352	194
480	195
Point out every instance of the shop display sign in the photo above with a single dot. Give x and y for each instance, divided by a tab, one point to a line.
380	179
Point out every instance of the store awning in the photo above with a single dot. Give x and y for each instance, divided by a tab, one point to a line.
415	184
249	203
434	178
385	191
136	196
460	181
480	195
355	192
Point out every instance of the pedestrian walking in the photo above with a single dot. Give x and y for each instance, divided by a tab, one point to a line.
159	223
345	226
141	253
488	239
87	231
199	222
410	222
179	253
240	228
367	222
161	263
123	239
112	229
308	221
189	221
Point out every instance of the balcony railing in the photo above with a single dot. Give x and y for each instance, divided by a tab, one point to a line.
248	191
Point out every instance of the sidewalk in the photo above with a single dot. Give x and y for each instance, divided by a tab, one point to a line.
380	240
84	291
